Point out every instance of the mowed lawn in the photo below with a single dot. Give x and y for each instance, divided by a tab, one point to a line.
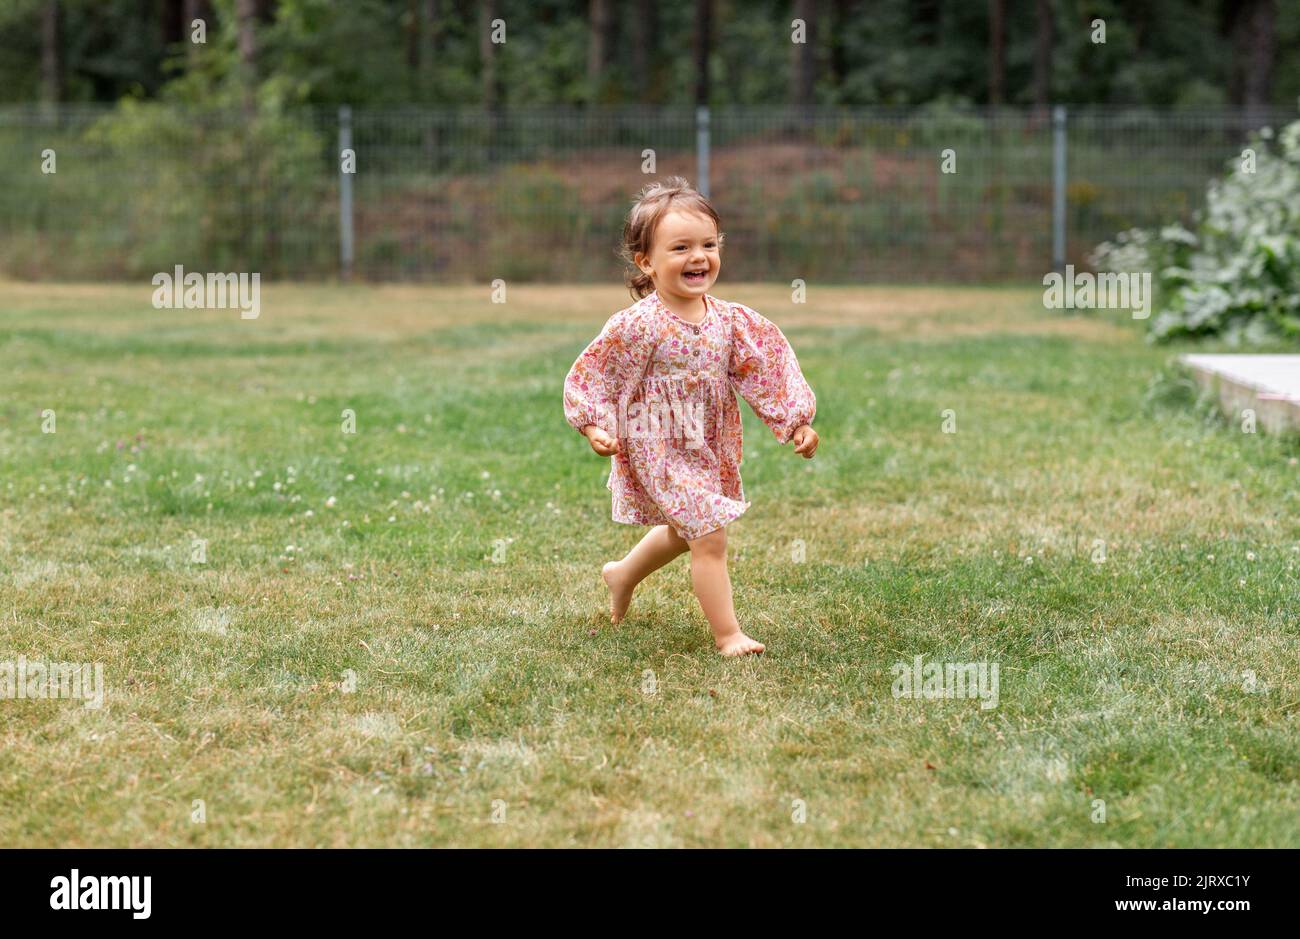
399	636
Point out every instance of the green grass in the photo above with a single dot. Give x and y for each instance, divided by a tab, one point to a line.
482	681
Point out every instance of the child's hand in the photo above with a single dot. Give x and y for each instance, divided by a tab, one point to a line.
805	441
602	442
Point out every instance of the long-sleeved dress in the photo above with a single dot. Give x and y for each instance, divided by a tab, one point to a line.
664	387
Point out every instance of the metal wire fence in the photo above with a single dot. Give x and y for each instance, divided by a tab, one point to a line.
879	195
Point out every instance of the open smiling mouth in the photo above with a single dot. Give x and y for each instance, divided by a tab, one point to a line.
695	277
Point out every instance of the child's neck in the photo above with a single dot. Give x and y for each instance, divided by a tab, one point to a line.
691	309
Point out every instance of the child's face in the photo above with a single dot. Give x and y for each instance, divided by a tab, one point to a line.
684	243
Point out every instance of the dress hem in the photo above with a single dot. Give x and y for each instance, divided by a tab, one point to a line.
638	518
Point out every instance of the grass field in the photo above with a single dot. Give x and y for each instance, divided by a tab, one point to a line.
398	636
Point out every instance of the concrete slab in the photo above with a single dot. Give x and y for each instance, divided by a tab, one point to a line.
1267	384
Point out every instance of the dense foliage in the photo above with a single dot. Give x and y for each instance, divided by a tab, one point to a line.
1160	53
1237	272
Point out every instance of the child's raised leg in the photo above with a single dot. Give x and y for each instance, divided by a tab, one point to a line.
713	588
660	545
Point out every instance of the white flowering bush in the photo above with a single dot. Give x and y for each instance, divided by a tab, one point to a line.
1237	274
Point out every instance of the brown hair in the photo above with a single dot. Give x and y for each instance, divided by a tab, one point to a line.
652	204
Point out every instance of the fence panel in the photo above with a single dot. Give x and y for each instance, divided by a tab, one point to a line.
446	195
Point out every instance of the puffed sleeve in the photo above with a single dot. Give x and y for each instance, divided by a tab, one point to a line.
764	370
604	372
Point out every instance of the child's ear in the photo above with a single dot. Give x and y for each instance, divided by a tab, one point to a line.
641	261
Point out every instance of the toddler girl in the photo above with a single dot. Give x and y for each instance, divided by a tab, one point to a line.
655	391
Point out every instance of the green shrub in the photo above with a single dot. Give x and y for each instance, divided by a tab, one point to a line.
224	190
1236	275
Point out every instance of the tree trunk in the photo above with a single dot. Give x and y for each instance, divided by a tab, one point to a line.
997	55
433	29
51	55
1254	50
246	24
246	30
1043	59
804	64
703	46
493	96
644	71
841	16
173	29
414	34
600	16
487	53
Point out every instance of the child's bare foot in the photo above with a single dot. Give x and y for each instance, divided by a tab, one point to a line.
738	644
620	591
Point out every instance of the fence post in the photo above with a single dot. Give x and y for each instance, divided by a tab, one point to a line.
702	150
1058	188
345	195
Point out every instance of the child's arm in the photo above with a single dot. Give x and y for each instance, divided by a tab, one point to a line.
597	379
765	371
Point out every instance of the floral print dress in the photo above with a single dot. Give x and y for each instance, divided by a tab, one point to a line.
665	388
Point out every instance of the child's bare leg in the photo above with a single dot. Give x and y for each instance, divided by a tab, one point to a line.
660	545
713	588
